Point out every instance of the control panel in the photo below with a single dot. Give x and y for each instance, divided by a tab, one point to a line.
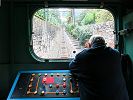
47	84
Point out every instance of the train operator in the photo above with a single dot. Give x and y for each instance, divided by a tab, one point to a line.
98	69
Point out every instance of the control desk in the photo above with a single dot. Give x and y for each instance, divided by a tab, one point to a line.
44	85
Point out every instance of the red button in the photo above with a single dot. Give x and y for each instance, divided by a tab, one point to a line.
64	85
44	79
57	85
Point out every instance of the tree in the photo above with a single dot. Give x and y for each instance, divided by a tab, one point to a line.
50	15
103	16
89	18
41	14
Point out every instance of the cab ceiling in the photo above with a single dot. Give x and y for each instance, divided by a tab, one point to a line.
93	3
89	1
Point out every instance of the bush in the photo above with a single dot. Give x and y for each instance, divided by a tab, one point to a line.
69	28
80	33
83	37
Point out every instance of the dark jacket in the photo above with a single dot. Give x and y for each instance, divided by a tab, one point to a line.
100	75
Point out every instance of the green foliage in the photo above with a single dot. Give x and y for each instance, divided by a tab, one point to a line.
69	28
94	16
76	32
41	14
85	33
50	15
80	30
103	16
80	33
53	16
81	16
89	18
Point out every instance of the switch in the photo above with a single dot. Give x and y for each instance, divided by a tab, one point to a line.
45	74
70	79
28	92
30	85
50	86
64	92
35	92
39	74
44	80
33	74
52	74
71	91
42	93
58	74
57	92
57	85
64	74
64	85
31	79
64	79
70	74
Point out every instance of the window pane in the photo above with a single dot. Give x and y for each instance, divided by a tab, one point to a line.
61	33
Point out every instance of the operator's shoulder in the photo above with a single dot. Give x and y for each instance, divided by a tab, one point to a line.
113	50
84	52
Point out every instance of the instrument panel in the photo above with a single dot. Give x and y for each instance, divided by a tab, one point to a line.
44	84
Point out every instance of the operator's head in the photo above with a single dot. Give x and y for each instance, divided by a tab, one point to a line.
96	40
